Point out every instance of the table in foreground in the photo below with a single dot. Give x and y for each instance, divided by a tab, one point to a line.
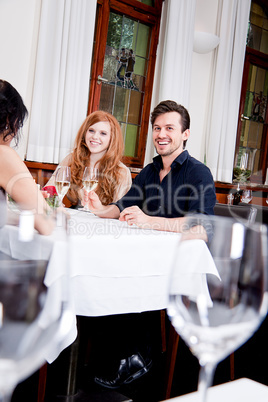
242	390
114	269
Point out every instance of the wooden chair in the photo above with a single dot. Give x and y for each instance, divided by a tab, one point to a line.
171	350
261	213
245	211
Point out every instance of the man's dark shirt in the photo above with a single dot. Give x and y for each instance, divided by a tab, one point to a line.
187	188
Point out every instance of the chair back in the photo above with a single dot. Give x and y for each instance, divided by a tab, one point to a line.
261	213
245	211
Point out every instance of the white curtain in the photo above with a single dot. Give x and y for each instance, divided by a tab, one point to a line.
174	58
222	116
61	83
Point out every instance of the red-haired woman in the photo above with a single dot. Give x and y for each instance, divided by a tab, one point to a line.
98	144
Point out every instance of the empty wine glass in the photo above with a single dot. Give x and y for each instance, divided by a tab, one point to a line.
246	196
34	318
217	316
90	182
63	181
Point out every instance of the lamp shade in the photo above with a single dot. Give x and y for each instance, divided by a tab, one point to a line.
205	42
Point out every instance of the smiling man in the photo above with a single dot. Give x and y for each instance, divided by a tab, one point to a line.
166	190
170	187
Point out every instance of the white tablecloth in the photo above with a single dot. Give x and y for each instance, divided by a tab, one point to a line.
242	390
116	268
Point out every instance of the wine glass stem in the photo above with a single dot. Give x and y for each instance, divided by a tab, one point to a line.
205	380
86	206
60	200
5	397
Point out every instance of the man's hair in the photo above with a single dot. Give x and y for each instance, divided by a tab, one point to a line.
171	106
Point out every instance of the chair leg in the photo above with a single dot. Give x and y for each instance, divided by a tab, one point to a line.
73	364
42	383
172	349
163	330
232	374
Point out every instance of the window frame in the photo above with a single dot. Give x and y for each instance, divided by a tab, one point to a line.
148	15
258	59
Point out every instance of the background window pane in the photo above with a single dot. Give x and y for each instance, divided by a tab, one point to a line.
125	69
121	104
106	99
140	66
143	35
135	106
114	30
131	140
148	2
110	66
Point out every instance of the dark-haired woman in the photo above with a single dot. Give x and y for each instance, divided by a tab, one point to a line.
15	178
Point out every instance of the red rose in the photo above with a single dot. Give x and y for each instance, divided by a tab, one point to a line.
51	190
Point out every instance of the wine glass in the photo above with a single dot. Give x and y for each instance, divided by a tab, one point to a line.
246	196
34	318
90	182
62	182
217	311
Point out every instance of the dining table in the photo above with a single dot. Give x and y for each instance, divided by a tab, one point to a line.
240	390
114	268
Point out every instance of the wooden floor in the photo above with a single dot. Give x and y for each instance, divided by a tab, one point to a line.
250	361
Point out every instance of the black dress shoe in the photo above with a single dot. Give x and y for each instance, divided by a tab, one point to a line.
130	369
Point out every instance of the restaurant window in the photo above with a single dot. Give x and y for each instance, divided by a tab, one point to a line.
252	136
126	36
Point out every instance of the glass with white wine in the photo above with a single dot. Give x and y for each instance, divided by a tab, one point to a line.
217	319
90	182
62	182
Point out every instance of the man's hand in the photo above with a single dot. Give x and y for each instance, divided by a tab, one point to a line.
92	200
95	206
135	216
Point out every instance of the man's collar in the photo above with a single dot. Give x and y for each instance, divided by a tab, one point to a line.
181	158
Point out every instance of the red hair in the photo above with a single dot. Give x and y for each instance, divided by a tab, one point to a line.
109	164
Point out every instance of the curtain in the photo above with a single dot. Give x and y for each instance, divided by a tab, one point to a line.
174	58
224	98
61	82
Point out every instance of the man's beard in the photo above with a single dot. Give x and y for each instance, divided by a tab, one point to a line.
168	152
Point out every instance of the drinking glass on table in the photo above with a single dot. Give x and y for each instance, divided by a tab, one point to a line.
34	318
63	181
90	182
217	318
246	196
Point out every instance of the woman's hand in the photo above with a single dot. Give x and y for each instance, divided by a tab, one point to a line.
135	216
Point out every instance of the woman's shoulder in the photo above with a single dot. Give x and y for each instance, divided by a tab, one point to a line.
125	170
124	182
121	164
10	164
67	160
8	154
5	149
